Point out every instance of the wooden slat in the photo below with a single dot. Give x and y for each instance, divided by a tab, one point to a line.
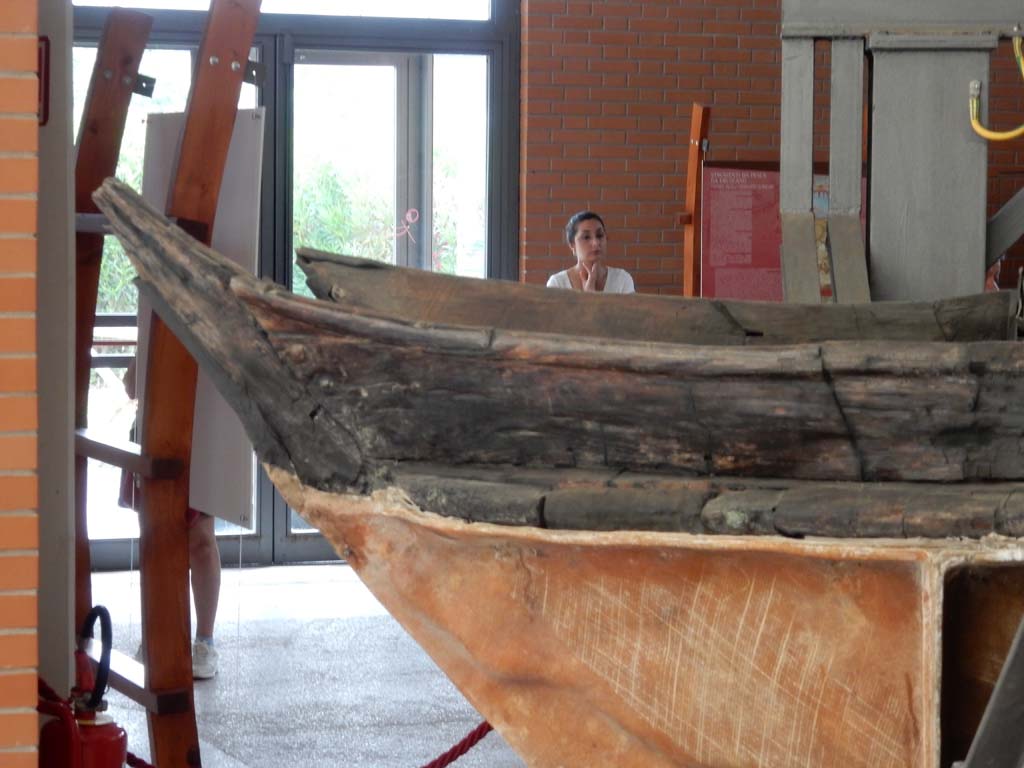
795	168
849	261
99	144
124	454
845	126
699	119
846	241
128	677
800	283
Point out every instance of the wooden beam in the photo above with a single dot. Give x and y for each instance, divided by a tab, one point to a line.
128	677
124	454
169	400
99	143
690	218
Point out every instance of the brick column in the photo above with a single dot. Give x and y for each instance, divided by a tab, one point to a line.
19	532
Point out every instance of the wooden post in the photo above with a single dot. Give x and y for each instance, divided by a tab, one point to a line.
690	218
169	401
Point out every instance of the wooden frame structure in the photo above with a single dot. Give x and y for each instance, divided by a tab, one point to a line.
926	236
162	459
700	119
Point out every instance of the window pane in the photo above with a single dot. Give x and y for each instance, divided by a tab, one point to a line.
412	9
343	187
111	412
460	165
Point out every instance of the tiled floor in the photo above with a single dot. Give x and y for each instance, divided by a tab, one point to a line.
313	672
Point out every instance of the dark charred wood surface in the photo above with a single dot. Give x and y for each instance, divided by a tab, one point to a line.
581	500
337	396
413	295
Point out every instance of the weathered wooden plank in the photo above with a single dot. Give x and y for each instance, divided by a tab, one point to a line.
849	262
846	242
795	166
845	126
342	395
801	283
612	509
571	500
476	500
416	296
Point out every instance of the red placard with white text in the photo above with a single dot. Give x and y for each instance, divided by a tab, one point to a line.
741	235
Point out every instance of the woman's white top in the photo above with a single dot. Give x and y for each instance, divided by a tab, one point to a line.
617	281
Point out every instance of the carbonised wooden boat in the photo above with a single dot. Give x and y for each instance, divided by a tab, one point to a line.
639	553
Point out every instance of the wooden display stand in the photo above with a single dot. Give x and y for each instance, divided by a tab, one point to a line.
700	117
162	460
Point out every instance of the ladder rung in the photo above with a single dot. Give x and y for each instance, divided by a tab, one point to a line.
126	455
97	224
128	677
92	224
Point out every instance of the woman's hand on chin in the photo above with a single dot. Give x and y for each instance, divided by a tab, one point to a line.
590	276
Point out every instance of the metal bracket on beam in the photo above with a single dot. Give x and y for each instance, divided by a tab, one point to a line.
255	73
144	85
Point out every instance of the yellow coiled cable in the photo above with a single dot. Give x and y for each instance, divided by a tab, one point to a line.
975	104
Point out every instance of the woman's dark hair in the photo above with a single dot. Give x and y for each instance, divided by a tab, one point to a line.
574	222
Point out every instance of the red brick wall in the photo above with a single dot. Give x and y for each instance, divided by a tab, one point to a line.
607	89
19	530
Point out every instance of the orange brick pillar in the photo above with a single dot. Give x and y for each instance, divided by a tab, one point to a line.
19	530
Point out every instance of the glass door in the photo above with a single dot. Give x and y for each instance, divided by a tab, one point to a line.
112	523
389	162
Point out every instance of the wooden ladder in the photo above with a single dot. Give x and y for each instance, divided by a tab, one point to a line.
164	687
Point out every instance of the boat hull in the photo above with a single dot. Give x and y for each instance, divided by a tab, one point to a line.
657	649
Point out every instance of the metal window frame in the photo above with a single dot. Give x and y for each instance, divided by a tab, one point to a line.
277	37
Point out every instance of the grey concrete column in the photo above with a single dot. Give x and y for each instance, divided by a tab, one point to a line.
55	318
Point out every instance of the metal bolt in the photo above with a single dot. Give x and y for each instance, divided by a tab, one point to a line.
108	74
235	66
127	80
214	61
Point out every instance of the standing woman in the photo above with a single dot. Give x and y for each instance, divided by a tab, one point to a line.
586	236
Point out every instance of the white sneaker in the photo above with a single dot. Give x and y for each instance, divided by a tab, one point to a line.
204	661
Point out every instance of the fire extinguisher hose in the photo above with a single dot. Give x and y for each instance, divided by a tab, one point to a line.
107	639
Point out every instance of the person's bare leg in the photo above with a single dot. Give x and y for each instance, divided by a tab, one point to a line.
204	566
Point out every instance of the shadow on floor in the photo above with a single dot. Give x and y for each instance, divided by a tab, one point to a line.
313	672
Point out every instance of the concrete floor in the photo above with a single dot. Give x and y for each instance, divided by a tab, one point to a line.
313	672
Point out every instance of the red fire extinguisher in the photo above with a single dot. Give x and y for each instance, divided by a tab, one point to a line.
81	735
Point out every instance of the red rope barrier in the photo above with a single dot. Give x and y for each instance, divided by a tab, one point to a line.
137	762
462	747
